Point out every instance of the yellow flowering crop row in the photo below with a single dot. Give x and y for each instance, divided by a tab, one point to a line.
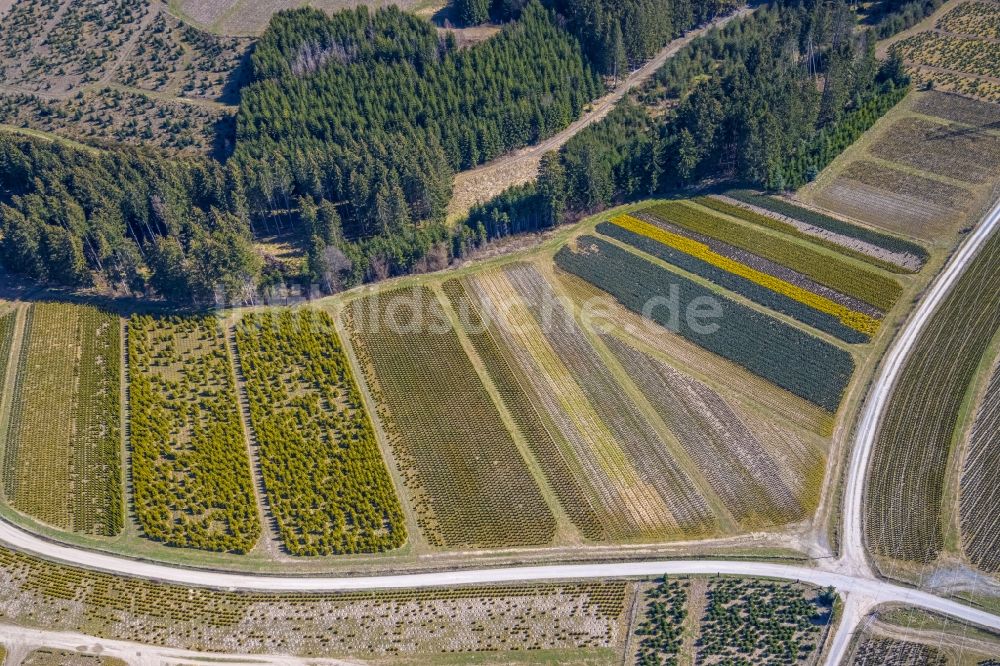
856	320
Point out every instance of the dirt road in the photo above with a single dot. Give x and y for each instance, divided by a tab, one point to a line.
521	166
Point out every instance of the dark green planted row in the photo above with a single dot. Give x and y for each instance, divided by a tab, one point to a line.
792	359
741	285
827	222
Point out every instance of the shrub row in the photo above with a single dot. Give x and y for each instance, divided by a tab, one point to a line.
753	217
469	485
782	207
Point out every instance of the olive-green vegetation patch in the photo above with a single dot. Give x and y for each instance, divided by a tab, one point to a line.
326	482
8	322
467	480
190	464
903	498
63	462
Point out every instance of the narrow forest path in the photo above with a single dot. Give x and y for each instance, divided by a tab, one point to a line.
521	166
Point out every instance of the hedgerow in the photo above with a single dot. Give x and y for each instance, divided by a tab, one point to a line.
190	465
327	484
766	290
775	205
868	286
902	515
468	483
790	358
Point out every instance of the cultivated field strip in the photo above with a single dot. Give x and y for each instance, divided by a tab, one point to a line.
628	503
885	651
791	296
895	200
8	322
977	19
806	220
980	493
190	465
327	484
468	483
63	461
958	109
862	283
958	54
894	262
521	406
784	355
647	453
954	151
902	518
387	623
729	377
750	482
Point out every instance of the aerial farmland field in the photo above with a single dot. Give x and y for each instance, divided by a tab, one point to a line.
62	460
954	50
325	478
468	482
926	167
904	509
184	417
978	493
